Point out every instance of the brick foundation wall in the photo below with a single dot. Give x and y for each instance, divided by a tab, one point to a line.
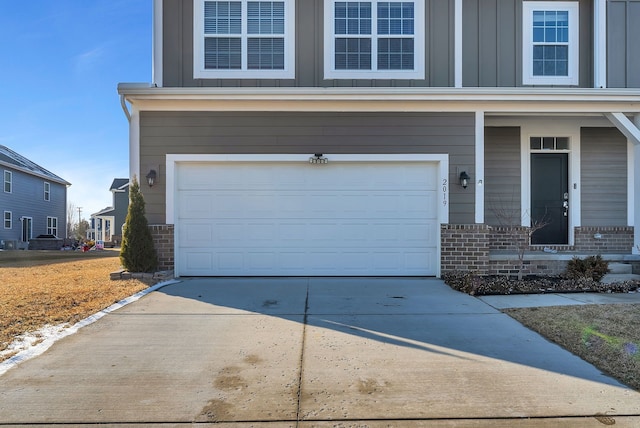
614	239
507	238
163	243
464	247
530	267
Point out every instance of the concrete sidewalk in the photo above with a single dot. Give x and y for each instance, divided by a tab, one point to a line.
311	352
560	299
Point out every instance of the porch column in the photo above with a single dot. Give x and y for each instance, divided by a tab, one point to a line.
479	178
636	188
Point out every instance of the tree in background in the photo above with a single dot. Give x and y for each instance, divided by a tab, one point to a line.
137	253
71	215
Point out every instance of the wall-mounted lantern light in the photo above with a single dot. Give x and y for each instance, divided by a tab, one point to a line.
318	158
464	179
151	177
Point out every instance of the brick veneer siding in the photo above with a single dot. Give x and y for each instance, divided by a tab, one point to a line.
163	242
464	247
617	239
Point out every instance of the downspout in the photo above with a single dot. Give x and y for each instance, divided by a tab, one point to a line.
123	103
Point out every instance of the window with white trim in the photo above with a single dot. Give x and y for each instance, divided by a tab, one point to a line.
8	219
550	43
47	191
8	181
52	226
374	39
244	39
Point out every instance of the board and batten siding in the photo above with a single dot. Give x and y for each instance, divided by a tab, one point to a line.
163	133
603	177
178	50
623	47
502	176
492	43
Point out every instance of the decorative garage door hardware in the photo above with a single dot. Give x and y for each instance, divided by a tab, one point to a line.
317	158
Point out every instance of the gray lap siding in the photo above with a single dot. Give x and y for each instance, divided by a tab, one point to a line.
163	133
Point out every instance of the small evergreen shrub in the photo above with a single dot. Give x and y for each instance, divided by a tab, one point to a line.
592	267
137	253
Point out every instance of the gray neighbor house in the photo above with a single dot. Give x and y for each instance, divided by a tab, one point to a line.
384	138
33	201
106	224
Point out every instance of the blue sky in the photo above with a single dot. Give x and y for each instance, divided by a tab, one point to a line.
61	62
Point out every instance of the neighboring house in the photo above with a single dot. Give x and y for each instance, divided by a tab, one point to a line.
106	224
323	137
33	201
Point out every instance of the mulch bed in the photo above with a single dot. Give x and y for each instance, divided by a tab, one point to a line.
476	285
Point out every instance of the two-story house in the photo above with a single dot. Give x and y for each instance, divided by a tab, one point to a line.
33	201
324	137
107	223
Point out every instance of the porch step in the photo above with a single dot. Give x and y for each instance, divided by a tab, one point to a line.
620	268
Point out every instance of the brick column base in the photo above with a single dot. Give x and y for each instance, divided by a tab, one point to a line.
163	243
464	247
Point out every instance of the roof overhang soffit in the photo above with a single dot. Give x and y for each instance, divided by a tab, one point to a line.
490	100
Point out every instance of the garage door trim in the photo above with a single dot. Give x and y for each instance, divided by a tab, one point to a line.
441	160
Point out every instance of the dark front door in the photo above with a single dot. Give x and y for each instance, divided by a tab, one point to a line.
550	197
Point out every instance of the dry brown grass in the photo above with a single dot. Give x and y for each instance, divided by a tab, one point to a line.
55	287
607	336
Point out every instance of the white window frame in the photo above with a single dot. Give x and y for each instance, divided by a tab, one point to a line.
52	226
8	217
47	191
199	71
528	7
8	181
418	72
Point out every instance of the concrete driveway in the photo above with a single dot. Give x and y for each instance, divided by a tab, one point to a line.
311	352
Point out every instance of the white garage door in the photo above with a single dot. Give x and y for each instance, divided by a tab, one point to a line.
299	219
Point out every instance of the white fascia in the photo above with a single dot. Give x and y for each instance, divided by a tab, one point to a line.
489	100
156	53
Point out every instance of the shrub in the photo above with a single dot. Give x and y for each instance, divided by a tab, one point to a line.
592	267
137	253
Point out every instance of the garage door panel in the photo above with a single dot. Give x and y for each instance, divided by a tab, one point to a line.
270	218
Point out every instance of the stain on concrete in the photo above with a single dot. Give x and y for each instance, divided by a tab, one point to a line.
229	379
216	411
605	420
252	359
370	386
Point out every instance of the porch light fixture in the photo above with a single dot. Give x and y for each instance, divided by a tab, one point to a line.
464	179
318	158
151	177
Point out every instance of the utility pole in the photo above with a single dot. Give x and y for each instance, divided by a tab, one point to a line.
79	214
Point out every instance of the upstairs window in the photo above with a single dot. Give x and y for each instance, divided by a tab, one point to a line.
47	191
550	43
239	39
8	181
374	40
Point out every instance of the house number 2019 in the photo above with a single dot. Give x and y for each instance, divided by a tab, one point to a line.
444	191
